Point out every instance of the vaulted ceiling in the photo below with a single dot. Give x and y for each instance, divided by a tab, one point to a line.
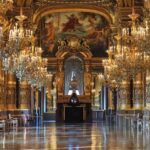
31	7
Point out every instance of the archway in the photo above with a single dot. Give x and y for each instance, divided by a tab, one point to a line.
73	73
41	12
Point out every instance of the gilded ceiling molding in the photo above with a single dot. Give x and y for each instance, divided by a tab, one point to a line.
66	54
41	12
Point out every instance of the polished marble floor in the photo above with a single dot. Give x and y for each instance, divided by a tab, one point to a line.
96	136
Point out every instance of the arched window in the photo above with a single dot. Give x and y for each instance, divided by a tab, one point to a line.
74	76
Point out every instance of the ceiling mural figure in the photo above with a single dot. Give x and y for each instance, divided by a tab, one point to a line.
71	24
49	39
89	26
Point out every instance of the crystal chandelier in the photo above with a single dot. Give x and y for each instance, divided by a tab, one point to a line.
23	62
130	57
18	51
39	78
30	66
112	76
6	48
20	63
19	35
37	70
13	41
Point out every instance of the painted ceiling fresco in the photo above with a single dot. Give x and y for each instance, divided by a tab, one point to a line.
92	27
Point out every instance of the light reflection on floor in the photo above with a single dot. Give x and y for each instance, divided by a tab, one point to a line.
96	136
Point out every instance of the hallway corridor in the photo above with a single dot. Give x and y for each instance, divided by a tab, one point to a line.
96	136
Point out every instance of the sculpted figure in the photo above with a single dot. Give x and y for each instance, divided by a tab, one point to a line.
87	82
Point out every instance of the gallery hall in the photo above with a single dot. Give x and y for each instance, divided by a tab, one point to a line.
74	74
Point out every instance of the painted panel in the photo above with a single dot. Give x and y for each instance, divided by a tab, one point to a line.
90	26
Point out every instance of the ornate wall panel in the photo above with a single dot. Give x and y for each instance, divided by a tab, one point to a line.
138	96
11	91
124	96
24	95
138	92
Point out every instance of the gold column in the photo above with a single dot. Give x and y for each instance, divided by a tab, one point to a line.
24	95
49	101
87	80
147	94
60	78
11	91
53	91
36	99
60	83
138	92
93	90
2	88
110	99
49	95
124	96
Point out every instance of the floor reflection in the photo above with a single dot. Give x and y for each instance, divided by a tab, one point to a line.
96	136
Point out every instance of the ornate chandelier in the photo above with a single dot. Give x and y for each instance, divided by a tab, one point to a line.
112	76
18	51
130	57
6	48
30	66
19	35
20	64
12	41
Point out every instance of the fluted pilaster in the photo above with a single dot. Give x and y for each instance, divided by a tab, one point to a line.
110	99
